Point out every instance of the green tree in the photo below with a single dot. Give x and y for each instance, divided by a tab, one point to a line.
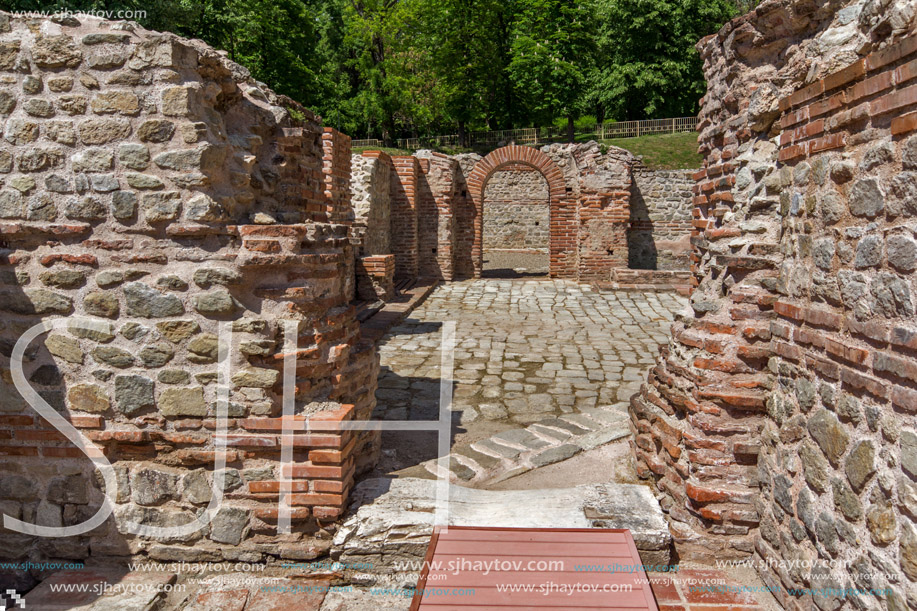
648	66
551	57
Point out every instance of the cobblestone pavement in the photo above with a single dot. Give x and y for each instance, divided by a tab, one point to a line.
538	364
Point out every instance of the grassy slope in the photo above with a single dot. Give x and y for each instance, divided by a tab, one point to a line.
665	151
660	152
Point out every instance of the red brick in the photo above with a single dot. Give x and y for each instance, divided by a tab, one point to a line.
865	382
807	93
845	75
316	499
789	310
62	453
894	101
266	487
18	451
823	318
831	141
16	421
314	471
903	367
792	152
904	398
904	124
905	72
846	351
869	87
272	513
892	53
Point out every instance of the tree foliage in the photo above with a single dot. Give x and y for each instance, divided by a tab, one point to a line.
389	68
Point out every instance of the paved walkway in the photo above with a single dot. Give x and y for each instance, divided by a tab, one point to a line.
540	365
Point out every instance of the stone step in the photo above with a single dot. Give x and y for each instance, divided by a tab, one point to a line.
391	520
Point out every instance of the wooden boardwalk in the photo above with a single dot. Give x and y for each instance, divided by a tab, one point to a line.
531	568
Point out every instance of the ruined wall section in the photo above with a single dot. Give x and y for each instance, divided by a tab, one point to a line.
465	213
598	186
439	189
516	210
661	220
152	186
370	187
778	421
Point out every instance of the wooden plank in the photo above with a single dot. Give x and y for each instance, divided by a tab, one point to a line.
454	534
538	598
569	563
648	592
543	549
539	590
428	559
473	579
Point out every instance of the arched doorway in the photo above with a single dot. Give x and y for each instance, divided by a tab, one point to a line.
562	242
517	229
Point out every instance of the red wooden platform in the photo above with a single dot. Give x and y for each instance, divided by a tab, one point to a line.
456	557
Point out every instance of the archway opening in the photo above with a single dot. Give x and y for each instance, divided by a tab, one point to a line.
516	217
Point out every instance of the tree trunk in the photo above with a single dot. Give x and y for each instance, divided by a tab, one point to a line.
570	128
462	136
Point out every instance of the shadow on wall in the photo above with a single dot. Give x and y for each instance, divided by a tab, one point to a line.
46	484
641	243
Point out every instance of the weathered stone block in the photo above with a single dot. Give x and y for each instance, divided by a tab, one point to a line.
218	302
183	402
146	302
133	394
88	398
830	434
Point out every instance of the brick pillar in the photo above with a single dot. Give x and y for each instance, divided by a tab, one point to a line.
405	171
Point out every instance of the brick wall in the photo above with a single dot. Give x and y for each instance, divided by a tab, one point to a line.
375	277
404	227
438	190
778	422
660	226
156	189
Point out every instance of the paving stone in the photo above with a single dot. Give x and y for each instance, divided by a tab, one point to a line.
521	437
556	454
488	446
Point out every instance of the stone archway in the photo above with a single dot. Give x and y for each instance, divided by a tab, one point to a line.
562	210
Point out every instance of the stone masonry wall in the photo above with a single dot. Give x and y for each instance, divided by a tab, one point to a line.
659	234
779	421
370	186
516	210
151	186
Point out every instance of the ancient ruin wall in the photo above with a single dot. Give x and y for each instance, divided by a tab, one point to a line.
779	420
370	185
661	220
516	211
153	187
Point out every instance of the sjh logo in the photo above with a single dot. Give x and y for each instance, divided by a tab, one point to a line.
13	599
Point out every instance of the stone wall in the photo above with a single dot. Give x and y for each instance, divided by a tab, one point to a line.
779	420
152	187
516	205
659	234
370	191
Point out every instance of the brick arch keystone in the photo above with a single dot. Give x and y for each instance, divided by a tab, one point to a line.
562	209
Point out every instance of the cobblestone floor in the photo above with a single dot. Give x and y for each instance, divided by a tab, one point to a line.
528	353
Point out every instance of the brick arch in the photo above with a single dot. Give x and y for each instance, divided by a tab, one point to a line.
561	208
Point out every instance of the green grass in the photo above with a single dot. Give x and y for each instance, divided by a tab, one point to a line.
660	152
663	151
390	150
